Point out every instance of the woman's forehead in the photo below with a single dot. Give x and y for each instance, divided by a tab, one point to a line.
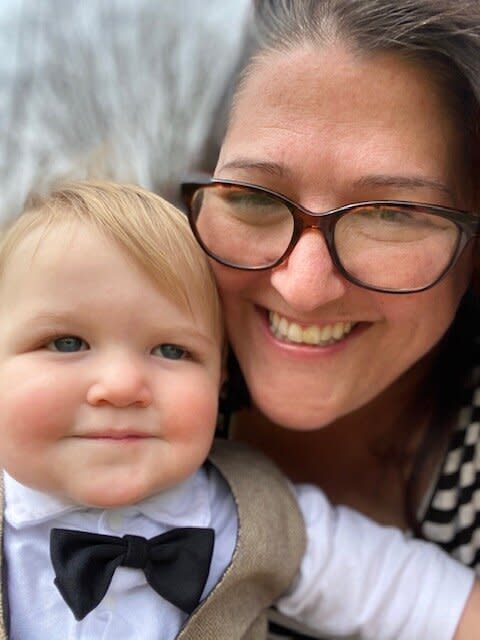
315	75
328	110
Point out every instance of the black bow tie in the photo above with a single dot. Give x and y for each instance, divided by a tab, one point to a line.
176	564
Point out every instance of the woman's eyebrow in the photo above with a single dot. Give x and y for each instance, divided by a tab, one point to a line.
404	182
374	180
273	168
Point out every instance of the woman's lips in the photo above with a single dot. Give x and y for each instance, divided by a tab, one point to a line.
309	335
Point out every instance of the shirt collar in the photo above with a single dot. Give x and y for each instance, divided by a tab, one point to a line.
185	504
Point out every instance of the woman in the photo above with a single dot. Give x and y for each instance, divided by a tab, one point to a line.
355	329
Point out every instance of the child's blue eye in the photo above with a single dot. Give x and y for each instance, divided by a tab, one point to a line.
170	351
67	344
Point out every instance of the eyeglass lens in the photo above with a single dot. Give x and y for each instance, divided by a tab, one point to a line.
385	247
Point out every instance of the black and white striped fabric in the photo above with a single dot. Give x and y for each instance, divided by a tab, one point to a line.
452	518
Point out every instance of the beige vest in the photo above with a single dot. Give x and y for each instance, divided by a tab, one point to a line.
269	549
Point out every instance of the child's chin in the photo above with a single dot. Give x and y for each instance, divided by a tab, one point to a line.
110	497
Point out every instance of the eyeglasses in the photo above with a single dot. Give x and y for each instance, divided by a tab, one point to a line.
383	245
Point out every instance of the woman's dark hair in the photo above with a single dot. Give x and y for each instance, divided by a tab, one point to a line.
443	37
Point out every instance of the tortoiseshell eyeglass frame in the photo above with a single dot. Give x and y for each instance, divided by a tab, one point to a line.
467	223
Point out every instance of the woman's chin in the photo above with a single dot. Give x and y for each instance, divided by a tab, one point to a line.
289	414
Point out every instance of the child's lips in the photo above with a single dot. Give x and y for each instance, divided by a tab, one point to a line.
116	434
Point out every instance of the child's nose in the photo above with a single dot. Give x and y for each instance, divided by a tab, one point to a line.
121	383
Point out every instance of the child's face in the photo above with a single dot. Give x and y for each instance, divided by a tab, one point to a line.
108	389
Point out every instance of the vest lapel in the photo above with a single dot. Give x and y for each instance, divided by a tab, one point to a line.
270	546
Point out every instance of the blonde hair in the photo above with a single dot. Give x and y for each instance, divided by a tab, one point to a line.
146	227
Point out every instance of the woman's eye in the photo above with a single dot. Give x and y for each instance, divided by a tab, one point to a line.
67	344
392	215
252	200
171	351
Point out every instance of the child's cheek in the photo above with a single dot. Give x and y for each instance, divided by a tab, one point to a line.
33	407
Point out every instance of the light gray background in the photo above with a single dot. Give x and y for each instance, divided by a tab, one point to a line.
127	89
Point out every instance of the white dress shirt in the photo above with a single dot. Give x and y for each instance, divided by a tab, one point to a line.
356	577
359	579
131	609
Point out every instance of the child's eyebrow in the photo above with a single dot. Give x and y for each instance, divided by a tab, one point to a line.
54	317
177	332
180	334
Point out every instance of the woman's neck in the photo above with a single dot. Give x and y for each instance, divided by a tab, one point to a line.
364	459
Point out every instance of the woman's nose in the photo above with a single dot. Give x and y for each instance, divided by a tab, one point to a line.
120	383
308	278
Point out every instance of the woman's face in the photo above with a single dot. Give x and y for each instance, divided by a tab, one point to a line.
326	129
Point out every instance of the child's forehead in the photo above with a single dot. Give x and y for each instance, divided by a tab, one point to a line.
46	252
46	238
52	247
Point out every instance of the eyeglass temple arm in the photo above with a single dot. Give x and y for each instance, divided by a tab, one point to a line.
191	182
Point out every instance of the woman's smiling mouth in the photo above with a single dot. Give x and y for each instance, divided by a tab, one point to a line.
313	335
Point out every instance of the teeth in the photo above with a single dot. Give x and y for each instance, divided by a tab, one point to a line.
282	326
326	334
313	334
295	333
338	330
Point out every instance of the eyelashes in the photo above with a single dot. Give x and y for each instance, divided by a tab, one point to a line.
74	344
172	352
67	344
